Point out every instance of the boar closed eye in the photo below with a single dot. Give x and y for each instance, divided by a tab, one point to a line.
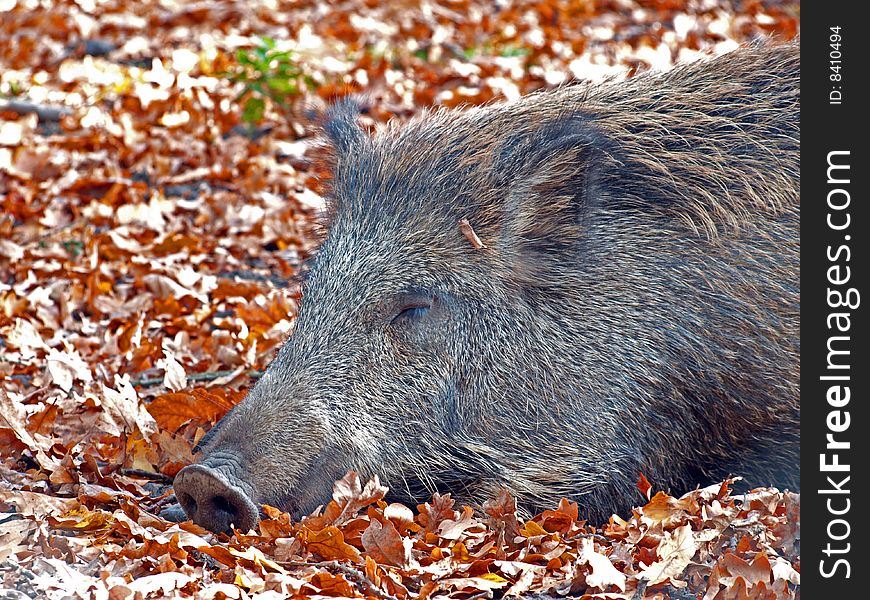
411	312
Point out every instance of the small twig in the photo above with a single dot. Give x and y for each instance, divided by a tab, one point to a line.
147	382
252	276
349	571
24	378
205	376
166	500
147	475
470	235
10	517
44	113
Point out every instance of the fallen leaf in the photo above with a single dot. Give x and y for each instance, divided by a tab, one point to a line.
675	553
603	574
759	570
123	411
174	376
66	367
454	529
329	543
384	544
644	486
668	510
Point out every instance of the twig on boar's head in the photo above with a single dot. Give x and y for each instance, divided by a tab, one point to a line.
468	232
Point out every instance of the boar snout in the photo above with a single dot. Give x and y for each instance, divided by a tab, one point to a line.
214	500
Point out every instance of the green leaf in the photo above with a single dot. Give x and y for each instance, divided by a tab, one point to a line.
282	85
288	70
254	110
514	51
244	57
282	57
74	247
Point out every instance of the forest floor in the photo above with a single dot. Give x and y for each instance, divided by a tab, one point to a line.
160	182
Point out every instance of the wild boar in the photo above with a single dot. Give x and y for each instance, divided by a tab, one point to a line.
550	295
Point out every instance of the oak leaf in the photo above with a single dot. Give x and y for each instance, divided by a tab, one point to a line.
675	553
383	543
329	543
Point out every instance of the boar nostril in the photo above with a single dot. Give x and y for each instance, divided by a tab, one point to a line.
224	505
187	502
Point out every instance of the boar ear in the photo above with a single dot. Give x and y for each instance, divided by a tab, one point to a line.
554	177
340	124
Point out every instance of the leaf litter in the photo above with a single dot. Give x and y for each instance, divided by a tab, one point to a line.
153	224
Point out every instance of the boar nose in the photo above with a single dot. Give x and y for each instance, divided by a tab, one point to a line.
213	501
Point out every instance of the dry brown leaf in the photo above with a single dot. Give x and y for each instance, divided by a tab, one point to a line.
675	553
329	543
454	529
384	544
174	409
604	574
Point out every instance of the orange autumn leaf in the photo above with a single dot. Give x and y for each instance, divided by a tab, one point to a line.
384	544
663	508
329	543
172	410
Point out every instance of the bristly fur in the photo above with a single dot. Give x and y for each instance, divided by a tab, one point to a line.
635	308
